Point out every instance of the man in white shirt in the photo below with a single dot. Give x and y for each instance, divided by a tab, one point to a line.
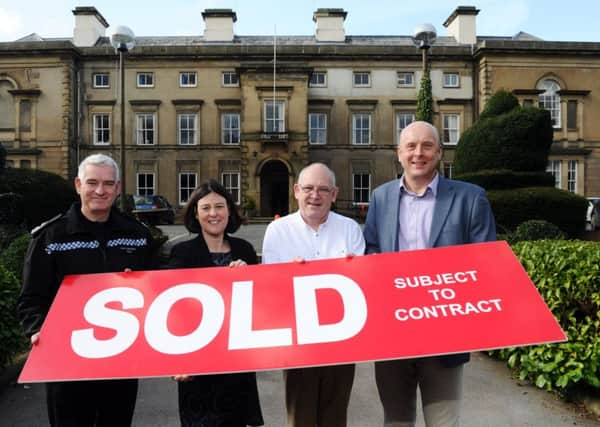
315	396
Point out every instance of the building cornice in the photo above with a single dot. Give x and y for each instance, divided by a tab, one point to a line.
142	102
228	101
567	92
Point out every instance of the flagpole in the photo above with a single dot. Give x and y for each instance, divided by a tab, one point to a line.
274	71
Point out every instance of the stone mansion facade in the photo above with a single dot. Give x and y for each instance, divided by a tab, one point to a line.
225	106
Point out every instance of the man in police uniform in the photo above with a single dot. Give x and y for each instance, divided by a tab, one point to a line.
91	237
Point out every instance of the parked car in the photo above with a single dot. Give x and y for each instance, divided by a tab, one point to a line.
592	220
152	209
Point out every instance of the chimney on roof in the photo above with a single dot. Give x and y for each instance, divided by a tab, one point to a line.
89	26
218	25
461	24
330	25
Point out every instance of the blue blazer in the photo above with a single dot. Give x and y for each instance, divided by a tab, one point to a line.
461	215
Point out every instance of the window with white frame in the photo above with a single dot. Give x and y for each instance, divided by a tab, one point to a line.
361	188
188	79
361	79
550	99
450	128
187	131
317	128
101	124
572	176
230	79
406	79
361	128
145	79
187	185
101	80
145	128
403	119
274	116
318	79
145	184
230	128
451	80
448	170
554	167
231	182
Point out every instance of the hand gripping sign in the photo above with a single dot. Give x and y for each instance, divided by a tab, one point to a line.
375	307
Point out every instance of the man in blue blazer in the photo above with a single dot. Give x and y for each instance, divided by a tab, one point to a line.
424	210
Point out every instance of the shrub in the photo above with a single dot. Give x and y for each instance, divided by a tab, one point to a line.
12	340
14	255
424	110
518	140
44	194
2	158
500	102
567	275
562	208
502	179
536	229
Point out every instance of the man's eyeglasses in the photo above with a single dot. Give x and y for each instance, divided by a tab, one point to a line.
321	191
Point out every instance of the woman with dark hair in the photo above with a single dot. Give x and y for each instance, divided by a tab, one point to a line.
223	400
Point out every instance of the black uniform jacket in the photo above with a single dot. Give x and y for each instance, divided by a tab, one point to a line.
194	253
71	244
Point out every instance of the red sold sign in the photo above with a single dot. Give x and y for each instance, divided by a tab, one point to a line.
199	321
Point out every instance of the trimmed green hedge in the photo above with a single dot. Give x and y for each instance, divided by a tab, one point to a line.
12	339
518	140
562	208
567	275
502	179
44	194
536	229
500	102
14	254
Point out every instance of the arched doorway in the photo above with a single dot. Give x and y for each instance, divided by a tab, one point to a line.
274	185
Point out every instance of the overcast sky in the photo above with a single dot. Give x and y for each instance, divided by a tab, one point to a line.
548	19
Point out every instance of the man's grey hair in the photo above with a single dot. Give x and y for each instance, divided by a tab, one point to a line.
323	165
97	160
433	129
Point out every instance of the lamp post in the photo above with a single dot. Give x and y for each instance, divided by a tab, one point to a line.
122	40
424	37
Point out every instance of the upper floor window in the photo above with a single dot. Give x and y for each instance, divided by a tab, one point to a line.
230	79
317	128
101	123
230	128
451	80
403	119
361	128
187	128
145	128
274	116
451	128
550	99
318	79
145	79
188	79
406	79
361	79
101	80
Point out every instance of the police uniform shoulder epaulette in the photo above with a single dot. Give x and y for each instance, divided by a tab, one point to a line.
45	224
